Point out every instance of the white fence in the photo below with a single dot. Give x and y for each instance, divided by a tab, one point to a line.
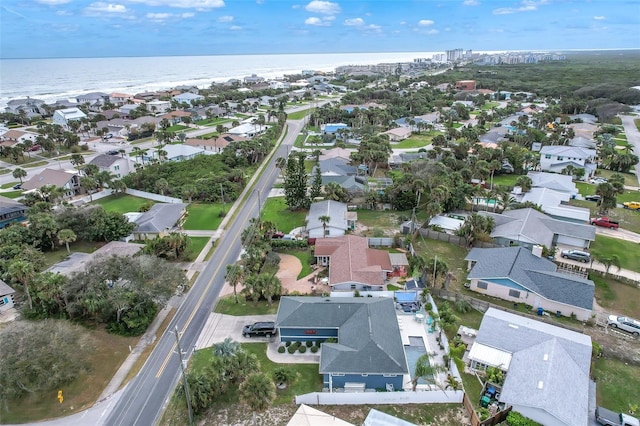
418	397
152	196
86	199
381	242
382	293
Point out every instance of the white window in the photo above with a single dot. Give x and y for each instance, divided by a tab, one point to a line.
482	285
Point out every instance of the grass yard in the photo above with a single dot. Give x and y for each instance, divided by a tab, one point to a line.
305	258
4	171
110	351
452	254
628	252
386	219
616	296
11	194
176	128
613	392
36	164
411	143
505	180
629	219
629	178
275	210
123	203
197	245
298	115
227	305
60	253
213	122
299	143
204	216
8	185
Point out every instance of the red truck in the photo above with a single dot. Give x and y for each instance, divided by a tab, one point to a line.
604	221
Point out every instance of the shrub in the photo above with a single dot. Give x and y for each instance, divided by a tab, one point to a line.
309	343
314	349
281	349
291	349
297	345
516	419
302	349
283	375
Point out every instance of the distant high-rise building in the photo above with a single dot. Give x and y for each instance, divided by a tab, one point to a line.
454	55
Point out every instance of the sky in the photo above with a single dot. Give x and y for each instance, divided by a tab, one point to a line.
85	28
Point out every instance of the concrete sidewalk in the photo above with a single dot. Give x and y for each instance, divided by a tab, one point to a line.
597	266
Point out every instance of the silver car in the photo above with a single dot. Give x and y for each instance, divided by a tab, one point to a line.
576	255
624	323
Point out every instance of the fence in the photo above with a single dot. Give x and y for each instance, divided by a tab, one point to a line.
410	397
452	239
497	418
87	199
381	242
151	196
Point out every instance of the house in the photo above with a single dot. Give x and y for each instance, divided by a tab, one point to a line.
552	203
517	275
368	354
215	145
332	128
465	85
120	98
247	130
158	107
398	134
160	220
336	166
309	416
77	262
118	166
353	184
556	158
126	110
554	181
547	367
93	100
175	117
66	179
341	220
352	264
32	107
180	152
253	79
11	211
396	160
63	117
528	228
6	296
14	137
188	98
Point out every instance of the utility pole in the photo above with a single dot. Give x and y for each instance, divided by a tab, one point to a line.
184	377
222	197
435	265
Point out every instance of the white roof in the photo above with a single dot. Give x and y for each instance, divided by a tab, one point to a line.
447	223
490	356
308	416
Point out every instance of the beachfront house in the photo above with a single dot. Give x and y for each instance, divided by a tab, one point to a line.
368	352
188	98
157	107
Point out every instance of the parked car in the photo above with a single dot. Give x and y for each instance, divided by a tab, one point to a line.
576	255
611	418
35	148
624	323
17	186
605	221
598	180
108	136
633	205
277	235
595	198
266	329
113	152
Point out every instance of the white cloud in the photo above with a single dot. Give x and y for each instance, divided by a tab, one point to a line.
295	6
425	22
470	3
184	4
447	29
374	28
355	22
403	22
158	16
525	6
432	31
316	22
323	7
52	2
599	18
235	28
260	1
226	18
188	15
63	13
100	8
163	16
328	18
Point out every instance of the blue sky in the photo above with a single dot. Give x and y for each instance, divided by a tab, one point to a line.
81	28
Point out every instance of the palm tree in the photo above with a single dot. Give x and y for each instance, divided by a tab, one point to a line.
77	160
270	286
19	173
66	236
324	219
607	260
424	370
258	391
162	185
234	277
89	184
23	272
226	349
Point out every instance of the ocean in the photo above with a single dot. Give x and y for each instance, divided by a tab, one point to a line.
54	79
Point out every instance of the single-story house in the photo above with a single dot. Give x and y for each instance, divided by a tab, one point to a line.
178	152
77	262
552	202
62	117
188	98
352	264
399	263
341	220
247	130
528	227
555	181
336	167
114	164
332	128
547	367
369	353
160	220
342	153
125	110
398	134
17	136
158	107
93	99
175	117
215	145
11	211
517	275
66	179
6	296
353	184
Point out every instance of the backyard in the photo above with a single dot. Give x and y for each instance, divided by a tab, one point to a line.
618	384
123	203
204	216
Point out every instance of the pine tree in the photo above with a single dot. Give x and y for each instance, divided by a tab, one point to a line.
316	185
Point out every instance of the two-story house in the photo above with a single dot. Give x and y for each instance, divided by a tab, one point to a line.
556	158
114	164
63	117
68	180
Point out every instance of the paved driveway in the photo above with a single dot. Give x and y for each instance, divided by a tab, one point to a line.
218	327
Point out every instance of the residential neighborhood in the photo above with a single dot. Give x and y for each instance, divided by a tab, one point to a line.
358	238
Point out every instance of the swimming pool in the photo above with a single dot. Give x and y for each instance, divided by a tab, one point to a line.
413	352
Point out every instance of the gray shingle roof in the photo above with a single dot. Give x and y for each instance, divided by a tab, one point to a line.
160	217
5	289
368	338
532	272
541	352
335	210
336	167
104	161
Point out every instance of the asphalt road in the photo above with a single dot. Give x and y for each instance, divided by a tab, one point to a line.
148	393
633	137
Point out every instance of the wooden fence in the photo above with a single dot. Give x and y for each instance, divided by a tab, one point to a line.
452	239
497	418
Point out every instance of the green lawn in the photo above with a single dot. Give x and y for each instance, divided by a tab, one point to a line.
618	384
36	164
275	210
204	216
305	259
227	305
386	219
4	171
452	254
629	178
628	195
617	296
298	115
299	143
8	185
123	203
213	122
629	219
197	245
11	194
487	106
505	180
176	128
411	143
628	252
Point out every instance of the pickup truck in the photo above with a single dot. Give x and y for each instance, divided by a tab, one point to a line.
604	221
633	205
608	417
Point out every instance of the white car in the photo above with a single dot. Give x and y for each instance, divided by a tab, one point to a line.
598	180
624	323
